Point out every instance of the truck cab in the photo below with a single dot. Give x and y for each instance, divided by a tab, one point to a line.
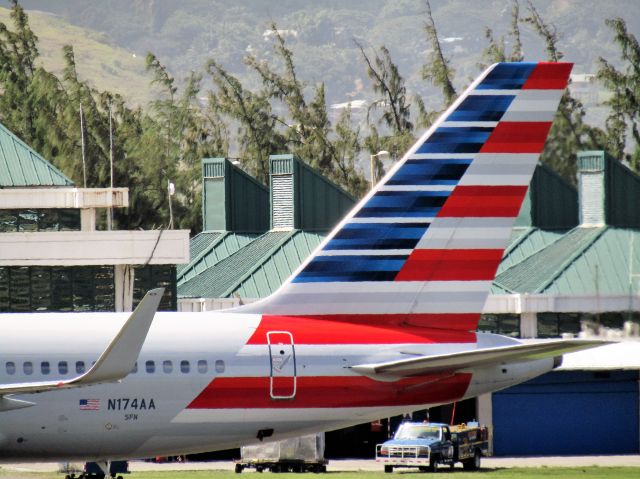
426	445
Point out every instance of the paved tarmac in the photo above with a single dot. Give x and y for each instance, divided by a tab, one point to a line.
356	464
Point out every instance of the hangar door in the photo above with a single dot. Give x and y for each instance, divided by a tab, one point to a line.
569	412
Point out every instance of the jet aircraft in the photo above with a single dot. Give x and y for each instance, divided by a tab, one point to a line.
381	319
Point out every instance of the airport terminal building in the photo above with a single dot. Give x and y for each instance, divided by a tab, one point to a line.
52	255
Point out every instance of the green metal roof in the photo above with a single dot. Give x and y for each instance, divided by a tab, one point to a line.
256	269
583	261
22	166
209	248
275	269
609	266
202	241
523	243
537	272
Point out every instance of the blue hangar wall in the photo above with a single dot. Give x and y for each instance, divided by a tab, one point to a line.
569	412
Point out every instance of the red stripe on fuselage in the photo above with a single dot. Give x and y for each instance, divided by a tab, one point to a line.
458	322
548	76
483	202
450	265
332	392
400	329
517	137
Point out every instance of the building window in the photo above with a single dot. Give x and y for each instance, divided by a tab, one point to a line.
150	367
63	367
11	368
39	220
167	367
202	366
54	288
506	324
553	325
184	366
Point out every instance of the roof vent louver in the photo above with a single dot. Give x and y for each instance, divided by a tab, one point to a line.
282	198
591	187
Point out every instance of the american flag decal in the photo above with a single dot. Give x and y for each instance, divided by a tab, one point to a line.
89	404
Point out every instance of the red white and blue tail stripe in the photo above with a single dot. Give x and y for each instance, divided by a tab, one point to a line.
424	245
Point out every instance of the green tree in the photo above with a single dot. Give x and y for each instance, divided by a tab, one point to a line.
348	146
18	53
624	85
392	102
496	51
188	135
438	69
307	129
281	117
569	133
257	135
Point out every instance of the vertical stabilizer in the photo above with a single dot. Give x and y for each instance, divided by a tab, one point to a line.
424	245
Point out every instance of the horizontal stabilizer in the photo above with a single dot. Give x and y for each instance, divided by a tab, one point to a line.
117	360
476	358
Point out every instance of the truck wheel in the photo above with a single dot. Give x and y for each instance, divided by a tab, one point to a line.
238	468
433	466
388	468
473	464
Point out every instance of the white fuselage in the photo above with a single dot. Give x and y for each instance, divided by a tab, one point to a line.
202	384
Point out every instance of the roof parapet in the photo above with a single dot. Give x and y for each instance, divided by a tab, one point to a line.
232	200
63	197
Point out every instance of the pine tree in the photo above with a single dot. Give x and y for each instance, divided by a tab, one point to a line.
392	102
257	135
18	53
305	125
437	69
624	85
569	133
188	135
496	51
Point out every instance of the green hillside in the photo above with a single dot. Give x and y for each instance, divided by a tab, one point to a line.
185	34
104	65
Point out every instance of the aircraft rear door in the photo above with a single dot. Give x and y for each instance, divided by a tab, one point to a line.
282	360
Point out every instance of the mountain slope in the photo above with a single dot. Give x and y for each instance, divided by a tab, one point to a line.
104	65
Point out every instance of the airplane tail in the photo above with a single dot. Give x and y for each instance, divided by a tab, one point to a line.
422	248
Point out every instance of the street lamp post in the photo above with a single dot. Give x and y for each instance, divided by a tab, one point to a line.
373	158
